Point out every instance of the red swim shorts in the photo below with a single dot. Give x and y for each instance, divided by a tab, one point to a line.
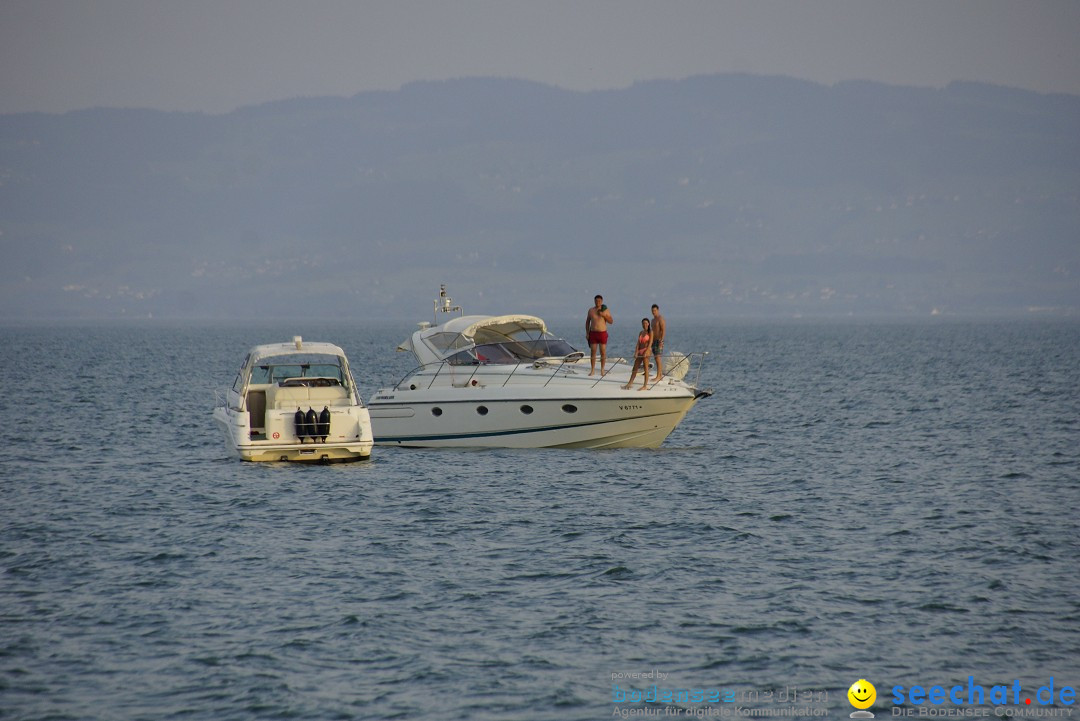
598	337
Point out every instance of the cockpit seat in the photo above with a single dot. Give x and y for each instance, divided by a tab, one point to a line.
294	396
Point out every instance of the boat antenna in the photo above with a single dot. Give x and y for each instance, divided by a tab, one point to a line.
445	304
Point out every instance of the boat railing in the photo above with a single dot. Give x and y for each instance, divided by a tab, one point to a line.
680	361
688	363
564	367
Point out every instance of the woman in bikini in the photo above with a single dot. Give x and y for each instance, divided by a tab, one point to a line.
641	354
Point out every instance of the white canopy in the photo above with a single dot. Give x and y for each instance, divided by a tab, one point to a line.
501	325
433	344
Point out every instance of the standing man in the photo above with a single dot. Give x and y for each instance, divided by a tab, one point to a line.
659	329
596	323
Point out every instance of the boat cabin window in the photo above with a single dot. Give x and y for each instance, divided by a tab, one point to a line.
443	342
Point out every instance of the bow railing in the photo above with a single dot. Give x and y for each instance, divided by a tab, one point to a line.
571	367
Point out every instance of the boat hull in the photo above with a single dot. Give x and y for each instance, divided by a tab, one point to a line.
633	422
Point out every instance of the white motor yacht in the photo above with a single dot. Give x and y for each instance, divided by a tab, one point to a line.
295	402
505	381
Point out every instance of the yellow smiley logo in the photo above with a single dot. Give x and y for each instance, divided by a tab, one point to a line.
862	694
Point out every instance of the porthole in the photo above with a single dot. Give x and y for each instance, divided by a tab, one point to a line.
526	409
436	412
482	410
569	408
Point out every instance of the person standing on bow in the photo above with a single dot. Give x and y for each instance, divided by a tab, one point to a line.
641	355
659	328
596	323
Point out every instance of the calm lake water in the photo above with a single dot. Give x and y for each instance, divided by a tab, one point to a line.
895	502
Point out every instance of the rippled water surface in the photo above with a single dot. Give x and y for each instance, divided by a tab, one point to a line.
896	502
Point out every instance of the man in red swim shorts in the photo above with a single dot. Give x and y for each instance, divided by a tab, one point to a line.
596	323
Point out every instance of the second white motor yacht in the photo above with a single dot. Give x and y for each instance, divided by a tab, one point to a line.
295	402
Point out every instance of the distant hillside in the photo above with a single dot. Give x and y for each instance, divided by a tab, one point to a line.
719	195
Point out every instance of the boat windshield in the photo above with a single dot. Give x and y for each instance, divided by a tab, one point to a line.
512	351
545	347
493	353
279	368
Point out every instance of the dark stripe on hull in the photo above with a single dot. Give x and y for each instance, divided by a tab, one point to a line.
521	431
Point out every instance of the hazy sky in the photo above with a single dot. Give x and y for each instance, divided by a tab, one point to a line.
216	55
